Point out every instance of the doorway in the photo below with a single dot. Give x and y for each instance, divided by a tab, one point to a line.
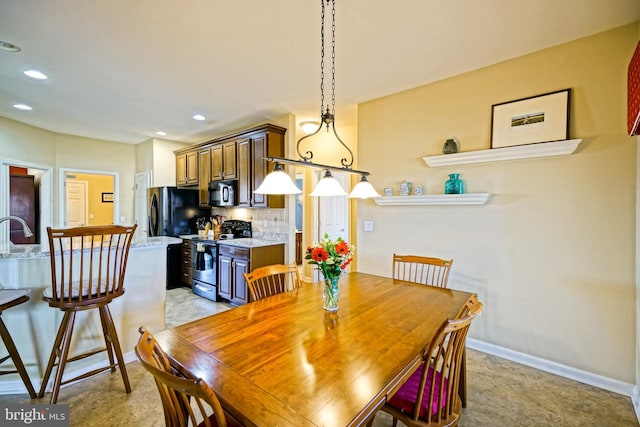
87	197
77	207
331	214
43	181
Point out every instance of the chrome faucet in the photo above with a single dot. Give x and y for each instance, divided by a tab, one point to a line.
25	228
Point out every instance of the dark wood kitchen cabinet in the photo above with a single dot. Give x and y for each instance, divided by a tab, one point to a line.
238	156
187	168
252	166
234	261
204	176
185	263
223	161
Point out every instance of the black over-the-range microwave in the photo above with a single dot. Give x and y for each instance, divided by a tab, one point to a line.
223	192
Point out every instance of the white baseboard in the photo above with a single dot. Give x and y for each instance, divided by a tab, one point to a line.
17	386
635	399
565	371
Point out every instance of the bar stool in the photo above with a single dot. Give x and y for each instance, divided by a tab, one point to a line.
10	298
87	272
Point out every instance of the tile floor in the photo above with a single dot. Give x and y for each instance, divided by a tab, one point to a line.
501	393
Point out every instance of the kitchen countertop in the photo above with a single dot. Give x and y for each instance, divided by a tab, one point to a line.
242	242
38	251
249	242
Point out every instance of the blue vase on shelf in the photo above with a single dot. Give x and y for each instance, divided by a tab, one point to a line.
454	184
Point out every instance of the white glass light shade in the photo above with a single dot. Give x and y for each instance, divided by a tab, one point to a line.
277	182
363	190
328	186
309	126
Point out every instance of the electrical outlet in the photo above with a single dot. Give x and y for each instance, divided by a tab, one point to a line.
265	223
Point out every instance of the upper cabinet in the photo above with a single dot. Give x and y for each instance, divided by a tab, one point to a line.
187	168
252	166
223	161
237	156
204	176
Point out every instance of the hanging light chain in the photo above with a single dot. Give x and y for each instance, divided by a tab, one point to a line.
328	116
333	58
322	60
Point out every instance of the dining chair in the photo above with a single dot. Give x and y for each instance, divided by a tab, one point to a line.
272	279
430	397
421	269
88	267
184	397
11	298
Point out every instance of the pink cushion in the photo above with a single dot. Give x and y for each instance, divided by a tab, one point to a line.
405	397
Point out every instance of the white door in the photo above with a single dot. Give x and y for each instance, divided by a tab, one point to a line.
77	210
333	214
143	181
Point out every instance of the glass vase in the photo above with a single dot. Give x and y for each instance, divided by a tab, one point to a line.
331	293
454	184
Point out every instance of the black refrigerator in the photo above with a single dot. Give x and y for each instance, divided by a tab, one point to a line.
173	212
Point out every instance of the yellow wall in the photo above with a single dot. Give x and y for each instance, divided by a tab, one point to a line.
552	255
100	213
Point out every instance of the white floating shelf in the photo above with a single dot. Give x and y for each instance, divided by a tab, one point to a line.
435	199
543	149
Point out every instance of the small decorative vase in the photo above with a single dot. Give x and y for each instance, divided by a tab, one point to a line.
450	146
454	184
331	293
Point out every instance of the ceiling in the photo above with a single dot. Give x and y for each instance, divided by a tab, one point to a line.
121	70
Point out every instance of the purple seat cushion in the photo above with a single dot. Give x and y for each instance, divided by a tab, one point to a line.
405	397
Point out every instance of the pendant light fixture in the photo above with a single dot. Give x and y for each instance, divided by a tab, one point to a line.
328	185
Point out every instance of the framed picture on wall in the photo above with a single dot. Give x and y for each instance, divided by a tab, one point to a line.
541	118
107	197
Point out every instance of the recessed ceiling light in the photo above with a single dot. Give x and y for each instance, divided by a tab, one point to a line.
198	117
9	47
161	133
24	107
35	74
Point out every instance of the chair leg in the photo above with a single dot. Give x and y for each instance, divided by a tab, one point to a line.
54	354
17	361
61	352
107	338
462	388
113	335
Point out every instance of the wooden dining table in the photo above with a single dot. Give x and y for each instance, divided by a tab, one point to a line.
285	361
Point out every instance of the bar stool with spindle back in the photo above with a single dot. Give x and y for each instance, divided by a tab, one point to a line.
10	298
87	272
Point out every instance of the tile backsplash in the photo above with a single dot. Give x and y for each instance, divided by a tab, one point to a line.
268	224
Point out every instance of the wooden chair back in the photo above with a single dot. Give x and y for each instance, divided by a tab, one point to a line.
87	264
430	396
272	279
184	398
421	269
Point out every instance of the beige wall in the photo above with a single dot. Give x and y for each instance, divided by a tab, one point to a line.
25	143
553	253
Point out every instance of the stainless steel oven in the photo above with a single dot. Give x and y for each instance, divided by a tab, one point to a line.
204	272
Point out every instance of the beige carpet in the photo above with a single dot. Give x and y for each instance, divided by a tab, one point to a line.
501	393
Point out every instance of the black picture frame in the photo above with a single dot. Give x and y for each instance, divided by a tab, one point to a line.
540	118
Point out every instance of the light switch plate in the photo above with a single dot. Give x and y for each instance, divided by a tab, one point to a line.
368	226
